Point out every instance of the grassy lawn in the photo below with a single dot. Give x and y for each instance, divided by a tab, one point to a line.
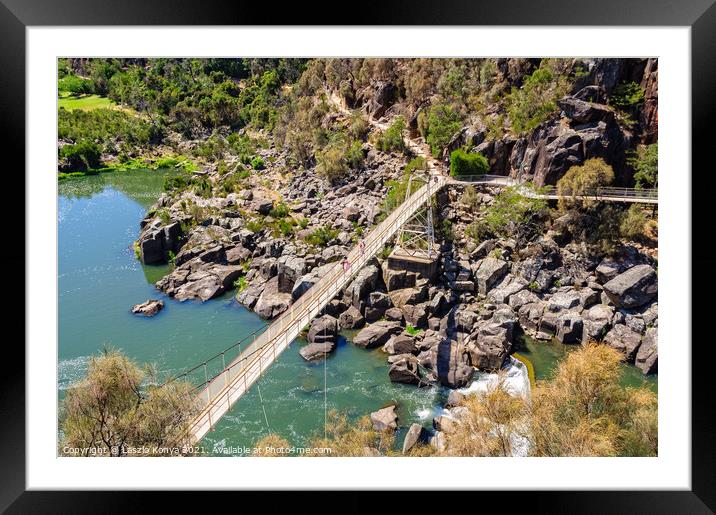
84	102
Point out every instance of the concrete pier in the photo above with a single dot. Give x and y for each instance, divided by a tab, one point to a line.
419	262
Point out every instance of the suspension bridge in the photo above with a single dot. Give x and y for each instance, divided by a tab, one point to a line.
227	376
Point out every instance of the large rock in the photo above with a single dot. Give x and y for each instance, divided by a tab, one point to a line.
452	364
488	273
597	321
647	358
303	283
351	319
405	296
290	269
624	340
633	288
365	282
405	370
200	285
384	419
272	302
569	327
148	308
376	335
401	344
412	437
324	329
314	351
417	315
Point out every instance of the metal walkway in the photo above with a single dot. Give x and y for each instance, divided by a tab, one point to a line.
223	390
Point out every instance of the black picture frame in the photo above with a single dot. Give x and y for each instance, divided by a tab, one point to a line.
699	15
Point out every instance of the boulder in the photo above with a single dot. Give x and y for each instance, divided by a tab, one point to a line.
289	269
365	282
307	280
401	344
633	288
455	398
647	358
407	296
564	300
405	370
200	285
384	419
323	329
314	351
624	340
397	279
412	437
488	272
148	308
530	315
272	302
394	315
417	315
569	327
452	364
351	319
597	321
377	334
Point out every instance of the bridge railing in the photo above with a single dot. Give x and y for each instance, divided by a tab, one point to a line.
222	390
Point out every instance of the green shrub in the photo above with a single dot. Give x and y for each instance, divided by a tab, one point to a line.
412	331
255	225
322	236
532	104
417	163
81	156
464	164
443	122
280	210
633	223
257	163
645	162
241	284
75	85
392	138
303	223
511	214
331	163
354	155
626	96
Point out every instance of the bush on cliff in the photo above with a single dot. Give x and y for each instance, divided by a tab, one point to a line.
463	163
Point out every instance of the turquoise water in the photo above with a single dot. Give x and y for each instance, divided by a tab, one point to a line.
100	279
546	355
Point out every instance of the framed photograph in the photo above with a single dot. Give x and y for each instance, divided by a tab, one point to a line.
433	241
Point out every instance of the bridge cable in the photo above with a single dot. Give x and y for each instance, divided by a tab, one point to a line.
258	387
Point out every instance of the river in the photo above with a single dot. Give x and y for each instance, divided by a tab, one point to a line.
99	280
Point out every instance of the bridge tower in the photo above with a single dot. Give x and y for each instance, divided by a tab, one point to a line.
415	249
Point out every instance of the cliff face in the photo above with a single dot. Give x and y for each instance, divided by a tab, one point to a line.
591	119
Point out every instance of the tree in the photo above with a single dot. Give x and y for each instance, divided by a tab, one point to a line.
492	424
584	411
583	181
271	445
442	123
113	410
645	162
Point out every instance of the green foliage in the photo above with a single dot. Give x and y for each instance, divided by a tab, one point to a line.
633	223
114	409
354	155
332	163
627	96
392	138
81	156
241	284
645	162
137	250
447	230
417	163
464	164
358	128
412	331
532	104
115	132
255	225
442	123
303	223
257	163
322	236
280	210
512	214
582	181
75	85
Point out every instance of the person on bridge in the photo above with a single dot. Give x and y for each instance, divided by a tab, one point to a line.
361	246
346	265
